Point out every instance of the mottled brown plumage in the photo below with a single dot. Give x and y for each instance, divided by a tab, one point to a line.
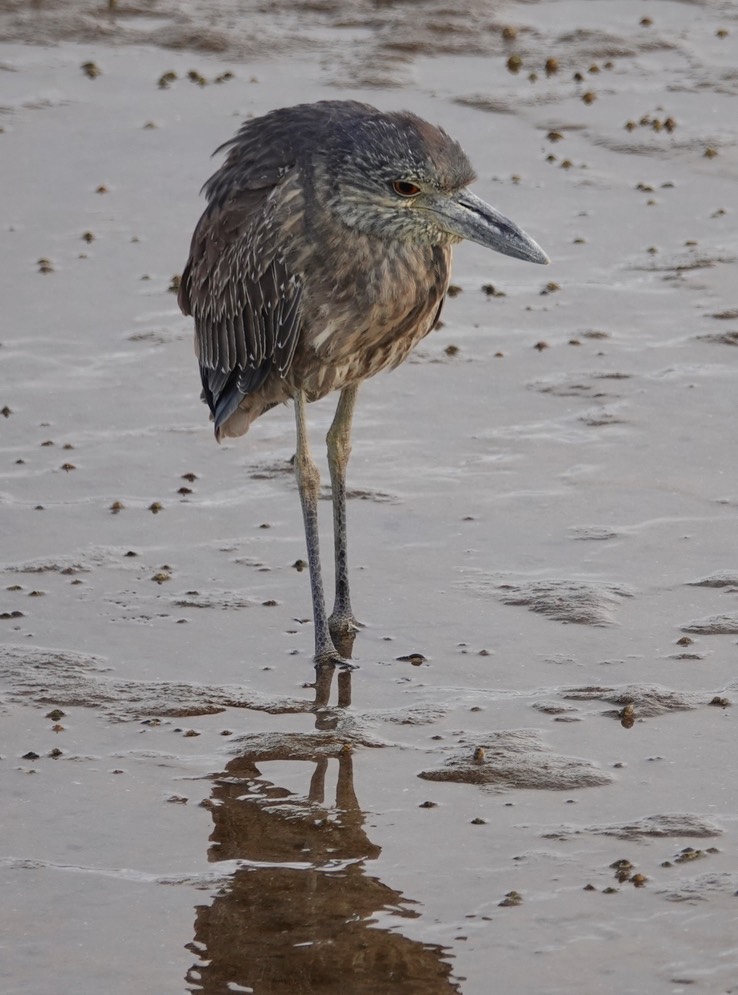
323	257
275	310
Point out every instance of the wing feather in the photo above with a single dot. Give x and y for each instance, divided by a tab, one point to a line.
245	301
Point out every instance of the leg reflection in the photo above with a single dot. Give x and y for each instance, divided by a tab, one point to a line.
324	673
301	915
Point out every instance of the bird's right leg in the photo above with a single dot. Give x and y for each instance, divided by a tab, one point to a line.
308	483
342	621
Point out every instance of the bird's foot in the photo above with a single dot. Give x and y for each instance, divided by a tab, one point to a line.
343	624
328	659
343	631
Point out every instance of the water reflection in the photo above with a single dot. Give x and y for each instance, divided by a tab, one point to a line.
299	920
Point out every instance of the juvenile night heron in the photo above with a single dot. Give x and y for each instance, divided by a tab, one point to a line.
323	257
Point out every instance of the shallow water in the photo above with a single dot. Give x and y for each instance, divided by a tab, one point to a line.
542	528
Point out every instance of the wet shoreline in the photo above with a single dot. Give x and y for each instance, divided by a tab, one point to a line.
527	773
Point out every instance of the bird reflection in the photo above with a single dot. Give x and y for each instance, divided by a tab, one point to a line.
299	919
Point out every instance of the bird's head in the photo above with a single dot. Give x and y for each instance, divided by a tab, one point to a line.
394	176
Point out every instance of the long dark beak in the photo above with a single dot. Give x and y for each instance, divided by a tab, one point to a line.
467	216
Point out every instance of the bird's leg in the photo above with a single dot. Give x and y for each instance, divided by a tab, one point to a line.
342	622
308	483
316	793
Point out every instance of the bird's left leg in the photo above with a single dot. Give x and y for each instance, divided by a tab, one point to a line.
308	483
342	621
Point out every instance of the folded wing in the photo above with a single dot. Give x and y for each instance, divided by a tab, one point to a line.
237	284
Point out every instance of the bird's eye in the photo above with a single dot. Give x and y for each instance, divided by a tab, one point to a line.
404	188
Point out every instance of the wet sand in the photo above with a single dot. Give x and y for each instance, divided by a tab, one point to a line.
528	785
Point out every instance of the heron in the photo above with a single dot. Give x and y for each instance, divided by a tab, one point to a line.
323	257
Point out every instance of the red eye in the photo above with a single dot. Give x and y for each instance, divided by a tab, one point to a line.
405	189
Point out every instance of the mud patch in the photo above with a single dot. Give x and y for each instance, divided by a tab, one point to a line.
269	469
62	565
649	827
223	600
701	888
680	262
263	747
720	338
64	679
713	625
483	103
95	556
593	533
585	385
648	700
553	708
575	602
515	759
721	578
416	715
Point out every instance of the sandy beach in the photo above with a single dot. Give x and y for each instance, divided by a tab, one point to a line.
528	784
